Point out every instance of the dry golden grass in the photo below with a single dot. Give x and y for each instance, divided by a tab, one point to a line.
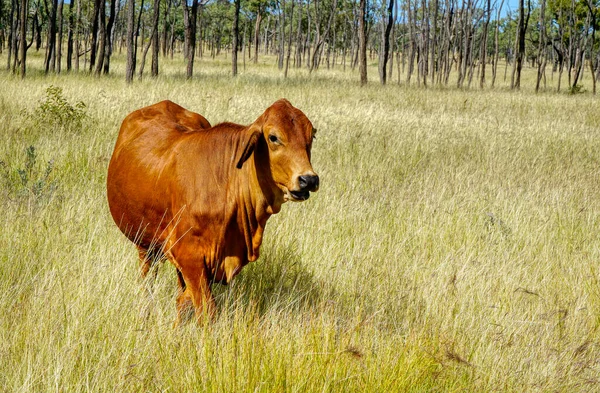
453	245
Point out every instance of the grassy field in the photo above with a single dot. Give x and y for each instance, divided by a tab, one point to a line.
453	245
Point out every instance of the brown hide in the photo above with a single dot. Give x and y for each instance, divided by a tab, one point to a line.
201	195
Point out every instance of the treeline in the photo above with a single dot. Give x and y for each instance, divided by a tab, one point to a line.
425	42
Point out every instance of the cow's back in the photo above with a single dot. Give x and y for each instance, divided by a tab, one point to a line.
142	166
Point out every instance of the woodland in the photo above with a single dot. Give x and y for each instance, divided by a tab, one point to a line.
426	42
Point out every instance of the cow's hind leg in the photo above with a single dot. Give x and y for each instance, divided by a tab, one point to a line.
185	305
149	259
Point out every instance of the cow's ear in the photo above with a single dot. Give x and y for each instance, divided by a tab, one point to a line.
251	137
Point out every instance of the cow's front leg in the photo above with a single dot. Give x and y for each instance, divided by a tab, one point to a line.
197	292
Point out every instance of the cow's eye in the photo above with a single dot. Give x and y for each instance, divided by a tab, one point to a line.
273	138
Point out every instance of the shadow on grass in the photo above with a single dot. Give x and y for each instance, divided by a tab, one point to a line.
278	281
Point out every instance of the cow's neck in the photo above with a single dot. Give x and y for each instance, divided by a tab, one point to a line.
259	202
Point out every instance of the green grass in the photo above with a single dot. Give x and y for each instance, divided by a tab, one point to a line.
453	245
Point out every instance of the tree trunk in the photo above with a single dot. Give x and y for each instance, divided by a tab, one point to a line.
515	82
51	47
320	39
60	36
496	43
541	46
483	52
236	34
12	34
433	43
94	43
186	28
411	47
281	33
101	37
155	41
593	59
289	48
386	43
580	55
191	35
256	35
70	35
130	68
362	42
22	37
110	34
145	51
77	27
165	28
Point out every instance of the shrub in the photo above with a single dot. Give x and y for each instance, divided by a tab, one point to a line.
29	182
55	110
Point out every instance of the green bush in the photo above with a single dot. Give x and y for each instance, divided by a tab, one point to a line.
30	181
55	110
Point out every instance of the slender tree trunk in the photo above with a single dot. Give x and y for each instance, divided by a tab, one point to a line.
51	48
155	41
571	41
70	35
515	82
236	34
306	46
411	45
12	35
320	39
191	33
130	68
580	55
22	37
386	42
433	44
186	28
465	48
145	53
483	52
541	46
496	44
165	28
77	30
298	56
362	41
281	33
95	28
115	5
593	59
289	47
60	36
424	42
2	29
256	35
101	38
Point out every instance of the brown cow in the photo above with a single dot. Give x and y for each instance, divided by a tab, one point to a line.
201	195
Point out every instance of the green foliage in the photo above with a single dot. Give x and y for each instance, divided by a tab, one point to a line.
577	89
56	111
30	181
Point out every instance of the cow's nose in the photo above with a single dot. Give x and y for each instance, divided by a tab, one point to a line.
308	182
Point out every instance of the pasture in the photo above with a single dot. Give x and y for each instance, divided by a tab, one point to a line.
453	244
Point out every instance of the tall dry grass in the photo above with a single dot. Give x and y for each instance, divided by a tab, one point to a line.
453	245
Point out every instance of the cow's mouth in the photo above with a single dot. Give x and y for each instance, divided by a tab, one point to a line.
299	195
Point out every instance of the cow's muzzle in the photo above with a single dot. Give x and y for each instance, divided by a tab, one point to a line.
306	184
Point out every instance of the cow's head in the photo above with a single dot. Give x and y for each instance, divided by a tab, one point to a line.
281	139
